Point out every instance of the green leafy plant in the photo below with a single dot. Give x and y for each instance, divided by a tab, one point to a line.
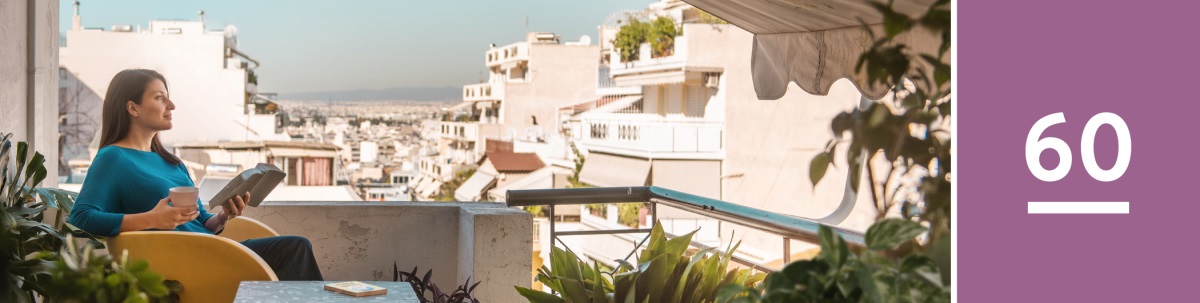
429	292
535	210
31	263
661	33
839	275
664	273
911	130
81	275
627	213
446	192
22	232
599	210
705	17
573	179
629	39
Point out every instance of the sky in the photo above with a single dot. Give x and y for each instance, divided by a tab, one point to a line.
314	46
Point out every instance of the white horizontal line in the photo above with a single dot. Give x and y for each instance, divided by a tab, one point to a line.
1079	207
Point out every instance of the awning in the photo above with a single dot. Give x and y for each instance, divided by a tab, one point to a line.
617	105
423	183
474	186
302	152
431	189
657	78
814	42
609	170
539	179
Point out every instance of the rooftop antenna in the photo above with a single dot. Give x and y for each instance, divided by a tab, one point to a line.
526	24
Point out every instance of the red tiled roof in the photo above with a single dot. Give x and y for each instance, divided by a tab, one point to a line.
515	162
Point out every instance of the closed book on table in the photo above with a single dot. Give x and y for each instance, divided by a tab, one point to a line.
355	288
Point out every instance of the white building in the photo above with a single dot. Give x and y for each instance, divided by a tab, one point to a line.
528	81
211	82
699	127
368	151
311	167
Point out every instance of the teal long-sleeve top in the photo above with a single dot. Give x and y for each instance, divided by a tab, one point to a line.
128	181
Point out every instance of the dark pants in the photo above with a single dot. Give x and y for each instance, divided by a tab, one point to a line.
290	257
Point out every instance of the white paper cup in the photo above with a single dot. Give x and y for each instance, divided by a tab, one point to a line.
184	196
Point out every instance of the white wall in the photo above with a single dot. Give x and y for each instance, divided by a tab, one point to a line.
29	84
368	152
483	241
770	143
559	75
209	96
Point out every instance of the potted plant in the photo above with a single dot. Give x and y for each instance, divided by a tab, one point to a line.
665	272
35	258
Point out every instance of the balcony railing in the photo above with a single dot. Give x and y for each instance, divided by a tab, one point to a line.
483	92
648	135
509	53
605	86
785	226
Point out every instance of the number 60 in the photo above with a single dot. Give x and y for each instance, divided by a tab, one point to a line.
1034	148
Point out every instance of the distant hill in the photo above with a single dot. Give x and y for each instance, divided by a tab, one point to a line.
449	93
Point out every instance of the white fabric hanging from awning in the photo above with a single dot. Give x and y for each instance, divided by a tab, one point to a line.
814	60
471	189
812	42
609	170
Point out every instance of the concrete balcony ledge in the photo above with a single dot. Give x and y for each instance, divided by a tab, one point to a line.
485	241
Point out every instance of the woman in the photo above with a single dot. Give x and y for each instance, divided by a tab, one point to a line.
133	170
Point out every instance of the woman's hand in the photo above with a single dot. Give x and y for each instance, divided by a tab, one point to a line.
233	208
167	217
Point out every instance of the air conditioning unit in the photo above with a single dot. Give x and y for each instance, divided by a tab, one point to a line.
712	80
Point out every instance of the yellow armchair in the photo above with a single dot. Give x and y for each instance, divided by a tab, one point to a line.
241	229
209	267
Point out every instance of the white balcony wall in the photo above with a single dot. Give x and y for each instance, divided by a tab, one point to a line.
264	127
465	131
486	242
507	54
653	136
483	92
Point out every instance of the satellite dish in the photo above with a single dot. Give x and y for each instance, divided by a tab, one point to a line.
585	40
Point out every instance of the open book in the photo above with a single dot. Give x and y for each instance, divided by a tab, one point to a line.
259	181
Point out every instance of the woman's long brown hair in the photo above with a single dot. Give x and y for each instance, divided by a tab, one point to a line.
129	85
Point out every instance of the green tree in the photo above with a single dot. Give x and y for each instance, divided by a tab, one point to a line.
630	38
661	33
